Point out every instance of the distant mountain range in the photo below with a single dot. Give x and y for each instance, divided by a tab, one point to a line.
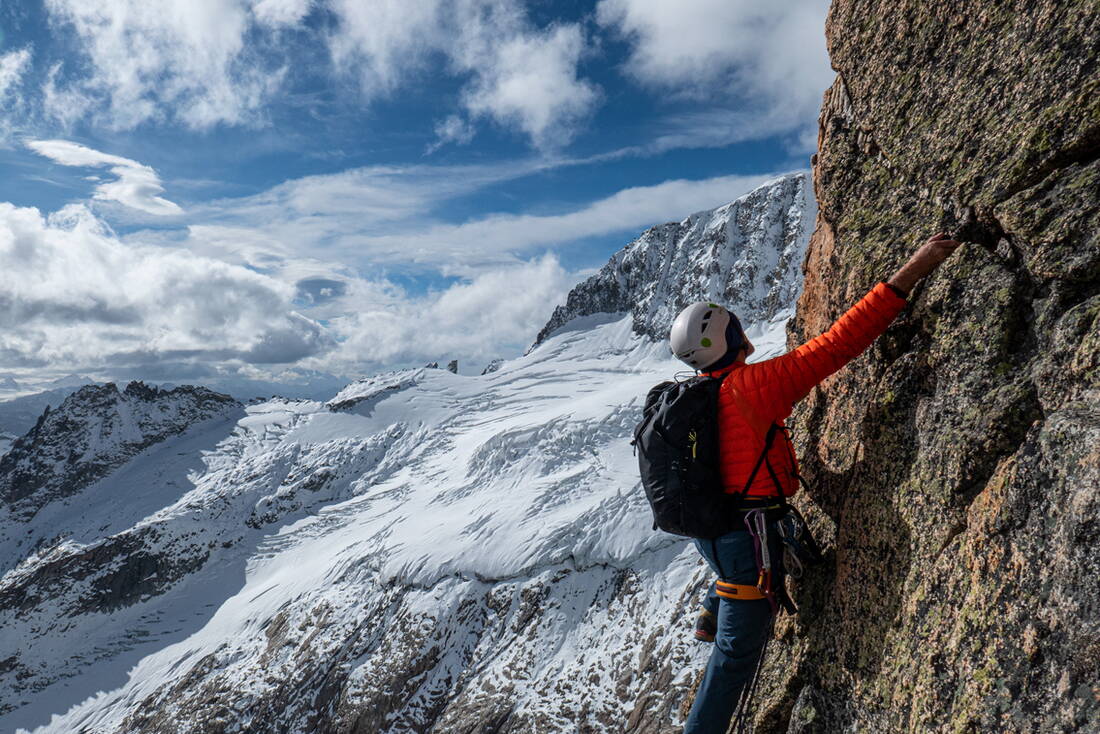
422	551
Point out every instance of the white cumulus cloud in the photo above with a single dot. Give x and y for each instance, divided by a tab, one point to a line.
159	59
136	185
497	313
74	295
764	64
518	75
530	81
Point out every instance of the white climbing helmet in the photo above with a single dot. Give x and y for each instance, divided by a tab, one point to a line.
698	335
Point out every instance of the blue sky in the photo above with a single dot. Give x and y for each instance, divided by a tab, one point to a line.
267	187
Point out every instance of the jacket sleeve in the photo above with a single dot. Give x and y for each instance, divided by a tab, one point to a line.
778	383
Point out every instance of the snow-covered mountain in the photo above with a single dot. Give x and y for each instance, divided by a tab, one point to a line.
746	255
426	551
92	433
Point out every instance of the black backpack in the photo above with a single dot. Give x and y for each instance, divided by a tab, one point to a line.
677	446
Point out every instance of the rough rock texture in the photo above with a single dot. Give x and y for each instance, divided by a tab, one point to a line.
745	254
427	552
88	598
958	462
94	431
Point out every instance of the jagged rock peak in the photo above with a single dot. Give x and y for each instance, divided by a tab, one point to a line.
746	254
95	430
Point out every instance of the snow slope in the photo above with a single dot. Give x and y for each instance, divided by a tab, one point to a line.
425	552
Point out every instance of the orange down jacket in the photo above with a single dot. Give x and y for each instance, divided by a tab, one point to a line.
754	396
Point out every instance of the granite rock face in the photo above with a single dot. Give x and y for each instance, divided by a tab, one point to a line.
956	465
745	254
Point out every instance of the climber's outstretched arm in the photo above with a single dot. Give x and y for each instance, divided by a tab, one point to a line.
784	380
933	252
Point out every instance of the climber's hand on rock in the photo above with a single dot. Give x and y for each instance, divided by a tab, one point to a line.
934	251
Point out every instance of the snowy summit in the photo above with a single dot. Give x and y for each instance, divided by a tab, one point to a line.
425	550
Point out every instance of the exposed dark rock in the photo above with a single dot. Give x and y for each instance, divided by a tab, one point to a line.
960	458
745	254
94	431
493	366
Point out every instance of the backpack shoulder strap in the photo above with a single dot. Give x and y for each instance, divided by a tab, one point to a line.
769	438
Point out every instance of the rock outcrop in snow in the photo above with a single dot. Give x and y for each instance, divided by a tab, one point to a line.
94	431
746	255
428	551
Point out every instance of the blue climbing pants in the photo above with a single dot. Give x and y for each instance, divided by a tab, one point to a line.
742	626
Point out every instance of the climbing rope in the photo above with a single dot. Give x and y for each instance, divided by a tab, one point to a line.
742	720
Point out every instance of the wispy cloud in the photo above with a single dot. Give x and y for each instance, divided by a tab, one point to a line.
759	67
136	185
451	129
13	66
339	218
460	247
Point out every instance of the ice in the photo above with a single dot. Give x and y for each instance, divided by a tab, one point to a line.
488	530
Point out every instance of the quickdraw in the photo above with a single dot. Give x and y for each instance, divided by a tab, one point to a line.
757	523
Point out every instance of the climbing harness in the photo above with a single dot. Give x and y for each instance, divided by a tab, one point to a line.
757	523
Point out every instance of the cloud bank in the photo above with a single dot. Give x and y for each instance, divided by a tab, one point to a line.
77	296
74	294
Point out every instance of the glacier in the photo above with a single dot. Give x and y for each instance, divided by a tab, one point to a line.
424	551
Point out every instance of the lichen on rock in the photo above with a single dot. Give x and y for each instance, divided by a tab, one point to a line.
959	459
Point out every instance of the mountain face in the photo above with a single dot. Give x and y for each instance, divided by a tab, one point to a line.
18	415
958	462
94	431
426	551
747	255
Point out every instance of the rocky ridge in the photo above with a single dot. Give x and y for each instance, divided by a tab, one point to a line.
94	431
747	255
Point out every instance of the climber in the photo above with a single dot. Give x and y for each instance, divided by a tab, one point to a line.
752	399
